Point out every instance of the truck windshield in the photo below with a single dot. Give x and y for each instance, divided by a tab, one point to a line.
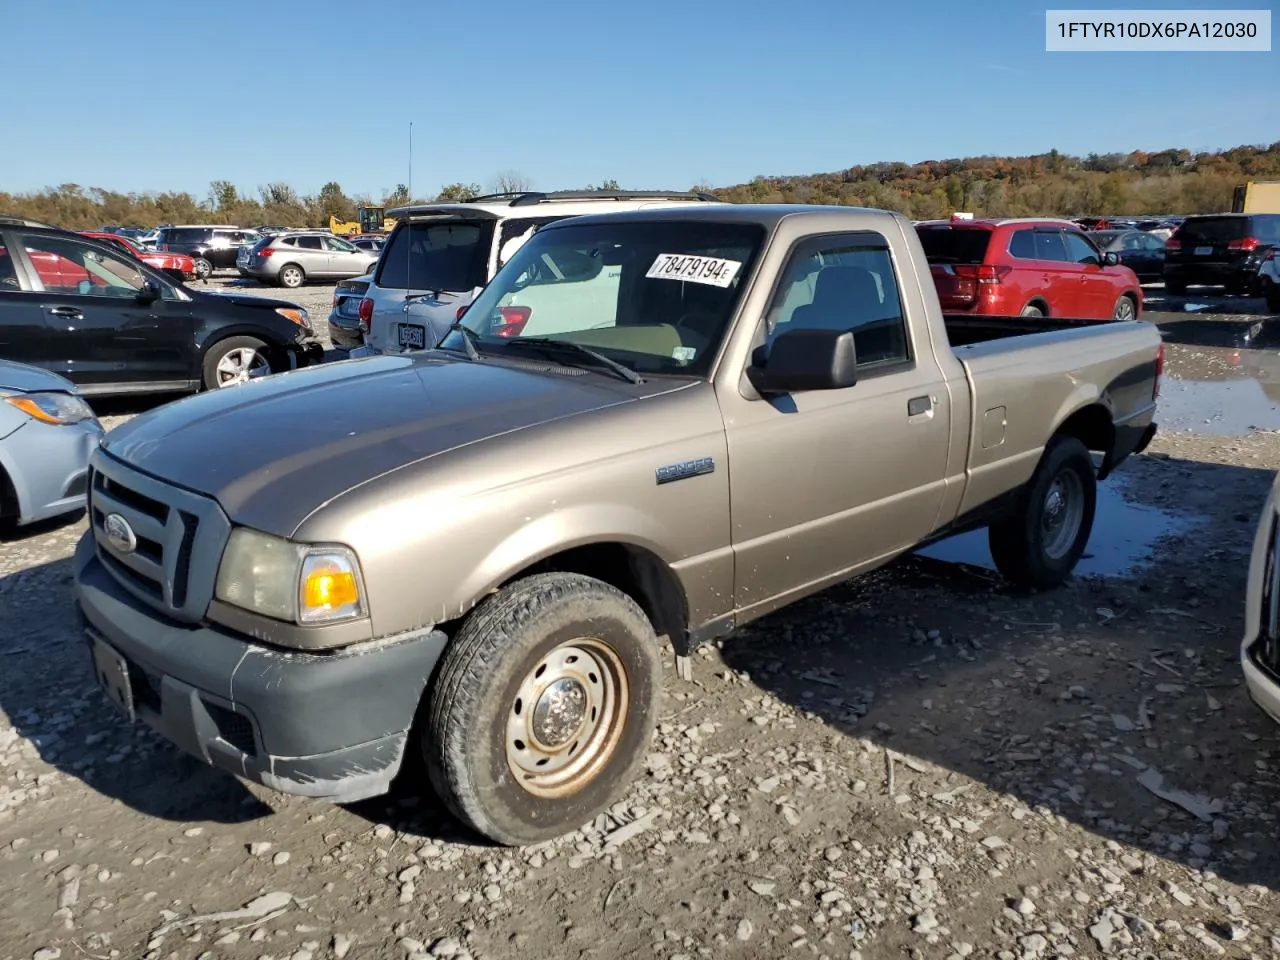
655	296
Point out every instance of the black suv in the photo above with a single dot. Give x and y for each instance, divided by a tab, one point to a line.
211	247
1220	250
114	325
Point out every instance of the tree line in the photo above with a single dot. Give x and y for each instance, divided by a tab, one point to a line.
1174	181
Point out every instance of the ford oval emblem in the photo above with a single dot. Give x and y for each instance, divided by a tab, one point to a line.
119	534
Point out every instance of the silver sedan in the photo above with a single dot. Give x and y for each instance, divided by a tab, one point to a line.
47	433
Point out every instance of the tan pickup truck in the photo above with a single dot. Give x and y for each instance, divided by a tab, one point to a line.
474	553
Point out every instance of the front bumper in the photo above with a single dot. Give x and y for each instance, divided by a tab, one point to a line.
48	467
333	726
1262	681
307	351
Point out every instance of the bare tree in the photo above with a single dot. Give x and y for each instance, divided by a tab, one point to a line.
511	181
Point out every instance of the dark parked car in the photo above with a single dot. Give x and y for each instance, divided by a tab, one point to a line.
111	324
344	318
1268	280
1139	251
1220	250
212	247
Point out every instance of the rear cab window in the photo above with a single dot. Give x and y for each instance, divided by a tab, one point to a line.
448	255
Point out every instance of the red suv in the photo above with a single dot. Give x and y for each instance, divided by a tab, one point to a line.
1030	268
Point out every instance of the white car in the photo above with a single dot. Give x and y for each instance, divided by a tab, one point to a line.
1260	653
440	255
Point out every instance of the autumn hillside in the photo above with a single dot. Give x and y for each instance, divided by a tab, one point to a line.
1165	182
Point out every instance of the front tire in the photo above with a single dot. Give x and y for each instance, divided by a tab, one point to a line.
1125	309
235	360
543	708
1041	542
1177	288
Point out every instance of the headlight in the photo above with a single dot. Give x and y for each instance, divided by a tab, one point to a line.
53	407
297	315
295	582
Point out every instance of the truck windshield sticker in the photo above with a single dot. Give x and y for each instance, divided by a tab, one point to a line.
684	354
713	271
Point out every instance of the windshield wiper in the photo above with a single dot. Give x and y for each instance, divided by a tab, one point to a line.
469	338
569	346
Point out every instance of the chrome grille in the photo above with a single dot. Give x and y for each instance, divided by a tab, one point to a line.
179	538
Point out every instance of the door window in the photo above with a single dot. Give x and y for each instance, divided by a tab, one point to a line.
339	246
310	243
69	268
844	283
1022	245
1049	246
1080	250
8	273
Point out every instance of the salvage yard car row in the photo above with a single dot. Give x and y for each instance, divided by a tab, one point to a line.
586	397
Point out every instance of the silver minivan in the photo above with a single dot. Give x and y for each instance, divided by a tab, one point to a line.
291	259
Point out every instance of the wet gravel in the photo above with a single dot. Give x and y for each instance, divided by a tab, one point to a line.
916	764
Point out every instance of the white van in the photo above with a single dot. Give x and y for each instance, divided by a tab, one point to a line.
440	255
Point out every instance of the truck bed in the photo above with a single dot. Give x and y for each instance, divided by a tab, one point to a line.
964	330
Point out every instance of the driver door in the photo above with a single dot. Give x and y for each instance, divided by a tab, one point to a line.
100	337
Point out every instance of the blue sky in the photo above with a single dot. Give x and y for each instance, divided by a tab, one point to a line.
164	95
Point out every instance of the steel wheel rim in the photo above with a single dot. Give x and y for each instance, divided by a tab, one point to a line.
291	276
566	718
1124	309
1063	514
240	366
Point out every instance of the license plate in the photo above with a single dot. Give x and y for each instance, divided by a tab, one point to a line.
113	676
412	336
1203	251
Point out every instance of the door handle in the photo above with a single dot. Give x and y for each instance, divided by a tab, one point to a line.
70	313
919	405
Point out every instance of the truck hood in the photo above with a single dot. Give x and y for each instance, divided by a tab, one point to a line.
271	451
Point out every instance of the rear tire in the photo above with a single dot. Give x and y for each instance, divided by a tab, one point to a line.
1176	287
292	276
1272	293
1040	543
543	707
203	268
1031	310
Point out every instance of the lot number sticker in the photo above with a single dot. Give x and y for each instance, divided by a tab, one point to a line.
681	266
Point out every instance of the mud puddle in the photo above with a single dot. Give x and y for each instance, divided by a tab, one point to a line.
1122	543
1220	391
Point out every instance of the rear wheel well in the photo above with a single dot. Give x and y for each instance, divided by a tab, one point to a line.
1092	426
1039	303
637	572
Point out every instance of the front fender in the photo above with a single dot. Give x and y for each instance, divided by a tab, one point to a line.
577	526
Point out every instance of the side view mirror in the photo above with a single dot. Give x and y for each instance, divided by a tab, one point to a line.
807	360
150	292
1110	259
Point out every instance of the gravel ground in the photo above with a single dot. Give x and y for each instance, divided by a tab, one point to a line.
919	763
